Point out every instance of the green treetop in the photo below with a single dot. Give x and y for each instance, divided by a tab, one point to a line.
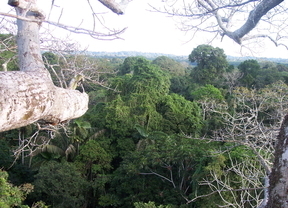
211	64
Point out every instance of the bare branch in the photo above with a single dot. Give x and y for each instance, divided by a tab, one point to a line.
161	176
112	35
254	17
100	36
235	19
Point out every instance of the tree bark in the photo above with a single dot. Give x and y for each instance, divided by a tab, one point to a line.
254	17
278	187
112	5
29	95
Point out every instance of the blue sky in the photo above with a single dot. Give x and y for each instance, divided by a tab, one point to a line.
146	31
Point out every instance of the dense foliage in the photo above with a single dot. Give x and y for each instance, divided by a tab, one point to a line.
161	135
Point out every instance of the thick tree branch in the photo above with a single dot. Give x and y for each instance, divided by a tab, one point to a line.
201	16
29	95
112	5
254	17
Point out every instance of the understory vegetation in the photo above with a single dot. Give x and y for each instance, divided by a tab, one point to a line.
157	134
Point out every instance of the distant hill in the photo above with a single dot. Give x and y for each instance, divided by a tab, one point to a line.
151	56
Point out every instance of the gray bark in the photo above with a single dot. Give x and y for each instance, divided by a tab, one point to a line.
278	188
226	13
112	5
29	94
27	97
254	17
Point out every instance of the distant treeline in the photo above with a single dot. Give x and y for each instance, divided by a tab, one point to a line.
233	60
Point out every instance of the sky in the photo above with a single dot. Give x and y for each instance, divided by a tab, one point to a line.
146	31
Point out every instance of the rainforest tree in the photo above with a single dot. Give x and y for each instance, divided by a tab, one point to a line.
211	64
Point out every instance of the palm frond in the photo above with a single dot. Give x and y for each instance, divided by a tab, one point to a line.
70	150
48	148
141	130
97	134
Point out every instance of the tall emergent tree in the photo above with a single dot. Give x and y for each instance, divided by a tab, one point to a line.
250	69
211	64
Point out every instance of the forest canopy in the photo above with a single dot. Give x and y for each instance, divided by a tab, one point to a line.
148	132
185	136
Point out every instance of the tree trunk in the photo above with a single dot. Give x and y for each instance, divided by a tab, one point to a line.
29	95
278	188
